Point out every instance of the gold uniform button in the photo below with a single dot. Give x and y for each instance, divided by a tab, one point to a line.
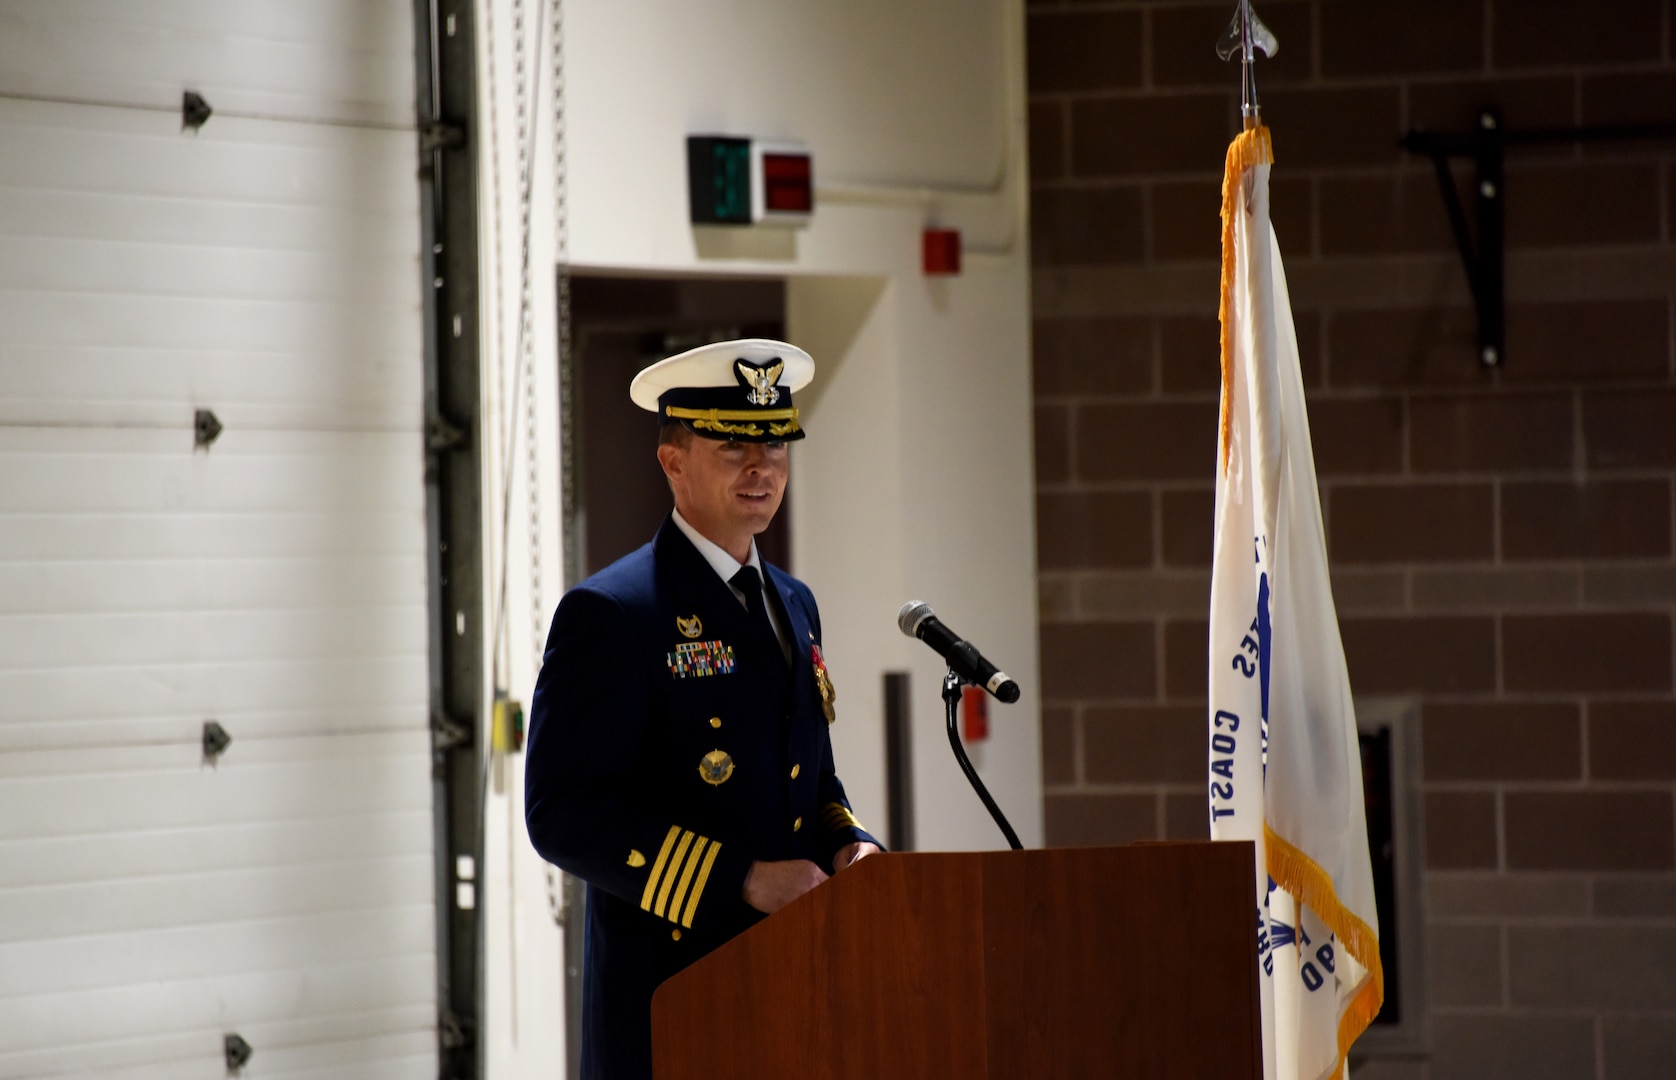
715	721
716	767
795	769
675	935
796	825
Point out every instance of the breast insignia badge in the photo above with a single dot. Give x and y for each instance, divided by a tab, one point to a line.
690	626
715	768
823	684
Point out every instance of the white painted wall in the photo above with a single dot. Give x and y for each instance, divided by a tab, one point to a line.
267	268
904	96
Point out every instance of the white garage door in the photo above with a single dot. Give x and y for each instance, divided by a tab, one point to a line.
265	268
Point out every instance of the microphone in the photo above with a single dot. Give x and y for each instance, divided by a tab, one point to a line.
916	619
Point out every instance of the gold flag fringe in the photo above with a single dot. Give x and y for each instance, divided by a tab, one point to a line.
1300	875
1249	148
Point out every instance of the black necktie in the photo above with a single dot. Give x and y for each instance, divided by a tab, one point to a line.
749	582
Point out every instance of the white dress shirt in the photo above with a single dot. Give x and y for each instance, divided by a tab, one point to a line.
726	566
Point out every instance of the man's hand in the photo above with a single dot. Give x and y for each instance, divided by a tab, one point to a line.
770	886
851	854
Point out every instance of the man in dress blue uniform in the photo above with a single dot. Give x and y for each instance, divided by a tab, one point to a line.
678	757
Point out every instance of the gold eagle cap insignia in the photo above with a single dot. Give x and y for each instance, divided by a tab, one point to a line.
691	626
761	380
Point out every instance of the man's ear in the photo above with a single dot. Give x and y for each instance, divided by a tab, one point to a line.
671	457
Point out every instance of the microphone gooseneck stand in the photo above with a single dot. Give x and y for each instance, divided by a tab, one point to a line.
951	703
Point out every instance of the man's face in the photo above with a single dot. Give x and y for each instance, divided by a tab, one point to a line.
729	491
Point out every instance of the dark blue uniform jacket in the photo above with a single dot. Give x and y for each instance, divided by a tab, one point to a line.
670	746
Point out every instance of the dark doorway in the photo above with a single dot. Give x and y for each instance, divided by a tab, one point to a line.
618	326
1378	804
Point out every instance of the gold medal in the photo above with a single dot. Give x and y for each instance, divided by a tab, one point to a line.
715	768
823	684
690	626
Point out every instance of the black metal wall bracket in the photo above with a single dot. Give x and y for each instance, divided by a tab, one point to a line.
1485	259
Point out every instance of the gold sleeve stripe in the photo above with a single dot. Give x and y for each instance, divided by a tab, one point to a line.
669	875
657	868
680	893
838	816
698	886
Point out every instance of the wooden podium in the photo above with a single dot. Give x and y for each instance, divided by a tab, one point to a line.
1136	961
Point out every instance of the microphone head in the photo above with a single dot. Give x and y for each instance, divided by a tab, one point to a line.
912	614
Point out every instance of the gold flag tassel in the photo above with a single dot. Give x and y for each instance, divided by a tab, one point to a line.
1249	149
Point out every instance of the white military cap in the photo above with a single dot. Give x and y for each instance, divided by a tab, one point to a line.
729	390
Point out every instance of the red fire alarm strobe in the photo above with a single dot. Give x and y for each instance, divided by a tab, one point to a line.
941	250
784	192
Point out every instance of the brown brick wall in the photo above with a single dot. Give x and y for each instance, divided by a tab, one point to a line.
1503	543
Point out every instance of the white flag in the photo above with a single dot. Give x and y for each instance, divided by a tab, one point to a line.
1285	768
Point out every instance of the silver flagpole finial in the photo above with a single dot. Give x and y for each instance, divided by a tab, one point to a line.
1247	36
